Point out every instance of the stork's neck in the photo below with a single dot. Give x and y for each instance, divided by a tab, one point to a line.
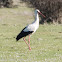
36	18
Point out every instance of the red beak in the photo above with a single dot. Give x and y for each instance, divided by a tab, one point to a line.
41	14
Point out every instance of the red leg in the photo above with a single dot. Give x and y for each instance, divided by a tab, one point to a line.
29	43
25	41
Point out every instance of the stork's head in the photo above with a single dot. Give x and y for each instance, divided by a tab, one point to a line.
39	12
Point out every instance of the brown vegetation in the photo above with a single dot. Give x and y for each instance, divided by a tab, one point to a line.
52	9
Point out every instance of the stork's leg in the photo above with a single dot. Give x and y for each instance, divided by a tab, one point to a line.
25	41
29	43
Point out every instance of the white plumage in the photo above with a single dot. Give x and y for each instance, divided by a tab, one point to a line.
34	26
31	28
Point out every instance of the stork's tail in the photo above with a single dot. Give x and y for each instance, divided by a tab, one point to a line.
19	36
23	34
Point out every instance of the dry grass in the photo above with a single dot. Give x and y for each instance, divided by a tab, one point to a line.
46	43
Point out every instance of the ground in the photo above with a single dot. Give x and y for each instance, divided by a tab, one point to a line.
46	43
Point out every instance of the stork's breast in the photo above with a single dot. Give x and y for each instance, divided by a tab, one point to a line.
31	27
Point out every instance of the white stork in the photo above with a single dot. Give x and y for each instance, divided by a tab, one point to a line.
31	28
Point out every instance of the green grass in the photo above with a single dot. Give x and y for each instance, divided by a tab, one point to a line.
46	43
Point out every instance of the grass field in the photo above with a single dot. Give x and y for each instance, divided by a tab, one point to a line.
46	43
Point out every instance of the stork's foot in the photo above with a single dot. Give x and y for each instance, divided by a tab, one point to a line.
29	48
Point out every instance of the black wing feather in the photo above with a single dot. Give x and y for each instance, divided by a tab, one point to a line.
23	34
